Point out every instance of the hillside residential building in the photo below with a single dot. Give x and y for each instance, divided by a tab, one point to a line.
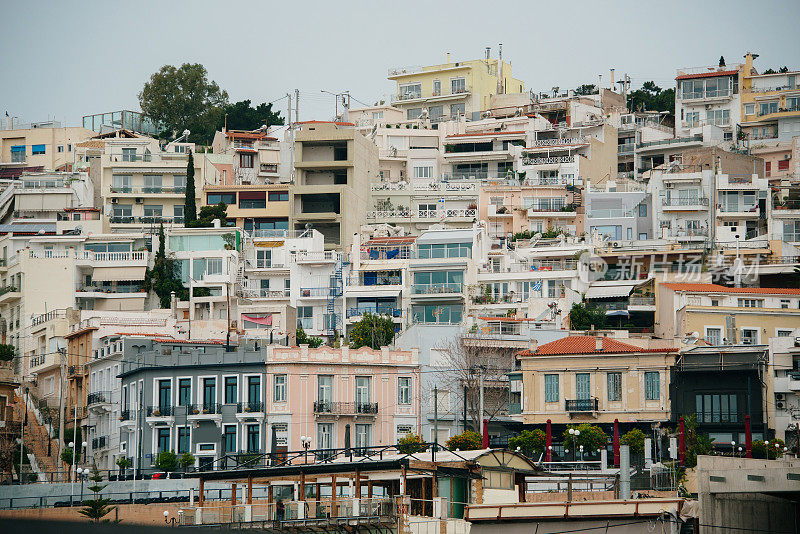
726	315
770	106
45	196
708	95
42	146
132	121
681	208
452	90
143	185
782	388
185	397
593	379
334	165
619	216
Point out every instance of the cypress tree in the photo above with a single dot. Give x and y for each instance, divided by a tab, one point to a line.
189	205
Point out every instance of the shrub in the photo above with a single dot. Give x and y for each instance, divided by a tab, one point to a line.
770	451
186	461
591	437
466	441
167	461
530	442
410	443
635	440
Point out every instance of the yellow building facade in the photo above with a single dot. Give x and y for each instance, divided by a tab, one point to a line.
770	104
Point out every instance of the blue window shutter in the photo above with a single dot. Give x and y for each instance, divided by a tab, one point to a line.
19	148
37	149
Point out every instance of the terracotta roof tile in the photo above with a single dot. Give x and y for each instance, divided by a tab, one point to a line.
711	74
716	288
587	345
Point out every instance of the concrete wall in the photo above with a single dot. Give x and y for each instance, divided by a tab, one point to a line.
747	511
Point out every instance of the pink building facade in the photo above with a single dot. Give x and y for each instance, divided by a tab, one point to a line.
326	393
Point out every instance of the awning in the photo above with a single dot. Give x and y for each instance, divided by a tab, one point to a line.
266	320
268	157
268	244
118	274
608	292
617	313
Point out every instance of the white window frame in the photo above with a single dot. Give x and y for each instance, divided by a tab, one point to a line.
719	329
282	388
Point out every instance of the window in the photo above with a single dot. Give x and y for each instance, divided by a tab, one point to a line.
784	304
18	154
437	314
458	85
498	479
212	199
280	389
413	113
325	435
60	149
652	385
278	196
128	154
718	117
749	109
152	183
162	440
246	161
231	396
551	388
209	393
37	150
717	408
184	439
305	317
177	213
693	119
179	183
184	391
714	336
783	332
229	438
253	438
165	395
783	165
121	183
253	389
410	90
793	103
404	430
751	303
404	391
642	210
765	108
251	200
423	172
153	211
264	260
437	87
363	392
214	266
614	386
749	336
436	112
457	110
324	389
363	435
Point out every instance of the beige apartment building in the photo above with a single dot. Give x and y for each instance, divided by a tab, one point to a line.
726	315
593	379
334	165
46	145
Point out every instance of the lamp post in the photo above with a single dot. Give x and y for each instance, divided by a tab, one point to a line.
72	477
169	520
733	448
574	432
305	441
81	475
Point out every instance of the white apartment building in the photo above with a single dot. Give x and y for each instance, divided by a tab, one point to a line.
143	185
707	95
256	156
743	209
681	203
45	196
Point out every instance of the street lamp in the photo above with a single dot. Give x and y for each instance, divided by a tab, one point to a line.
574	432
171	521
733	448
71	447
581	453
81	475
305	441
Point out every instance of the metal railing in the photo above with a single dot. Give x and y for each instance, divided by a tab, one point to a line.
345	408
641	301
390	311
8	289
558	142
582	405
159	411
548	161
99	442
320	291
98	397
253	406
211	408
313	256
693	201
702	95
378	280
149	190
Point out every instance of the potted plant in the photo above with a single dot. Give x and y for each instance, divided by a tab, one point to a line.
195	410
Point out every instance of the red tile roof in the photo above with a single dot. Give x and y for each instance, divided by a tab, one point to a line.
515	132
715	288
707	74
395	240
249	135
587	345
327	122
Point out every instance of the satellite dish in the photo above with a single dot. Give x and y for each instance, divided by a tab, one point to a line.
691	337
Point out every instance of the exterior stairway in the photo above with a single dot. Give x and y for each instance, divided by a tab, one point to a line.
36	440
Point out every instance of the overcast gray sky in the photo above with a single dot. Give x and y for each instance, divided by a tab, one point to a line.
69	59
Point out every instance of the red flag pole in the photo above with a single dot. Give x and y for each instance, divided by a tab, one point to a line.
485	434
548	443
616	442
748	437
681	442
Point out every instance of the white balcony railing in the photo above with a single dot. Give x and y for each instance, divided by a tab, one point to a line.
548	161
559	142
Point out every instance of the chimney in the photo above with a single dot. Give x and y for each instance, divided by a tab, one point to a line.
612	79
448	58
598	343
488	53
600	84
500	84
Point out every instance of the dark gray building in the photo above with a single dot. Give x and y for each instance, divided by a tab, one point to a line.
193	397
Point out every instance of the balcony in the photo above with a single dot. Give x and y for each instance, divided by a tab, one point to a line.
377	279
388	310
9	294
610	214
582	405
77	371
99	443
125	415
545	143
436	289
345	408
626	149
259	293
98	397
153	219
411	96
687	204
249	407
159	411
383	215
148	190
557	160
705	95
211	409
320	292
312	257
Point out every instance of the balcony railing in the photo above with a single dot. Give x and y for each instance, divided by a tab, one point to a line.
159	411
99	443
435	289
98	397
559	142
609	214
390	311
415	95
8	289
548	161
247	407
211	408
345	408
76	370
677	202
641	301
314	256
582	405
125	415
320	291
149	190
388	214
378	280
702	95
465	212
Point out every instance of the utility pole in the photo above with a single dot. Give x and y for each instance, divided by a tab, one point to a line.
480	417
289	110
22	436
435	422
297	105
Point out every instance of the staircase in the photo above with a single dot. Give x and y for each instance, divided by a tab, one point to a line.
577	197
334	292
37	439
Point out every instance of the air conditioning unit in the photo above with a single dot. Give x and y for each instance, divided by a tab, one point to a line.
669	185
139	200
787	156
779	405
779	396
616	244
114	200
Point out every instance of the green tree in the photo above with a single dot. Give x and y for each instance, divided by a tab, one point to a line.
410	444
586	89
186	460
374	331
163	278
167	461
591	437
208	214
66	455
634	439
7	352
530	442
771	451
242	116
189	202
582	316
652	98
179	98
466	441
697	444
97	508
123	462
303	339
